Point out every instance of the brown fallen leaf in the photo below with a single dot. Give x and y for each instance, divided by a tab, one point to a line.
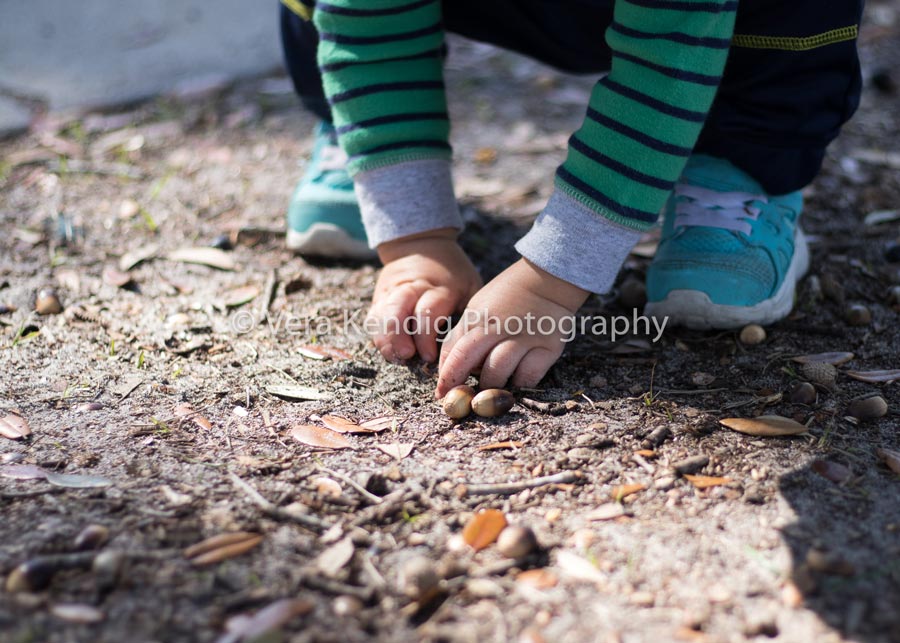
222	547
704	482
493	446
265	622
624	490
316	436
342	424
875	377
891	458
398	450
212	257
14	427
835	359
185	410
541	578
765	425
379	424
646	453
833	471
484	528
240	296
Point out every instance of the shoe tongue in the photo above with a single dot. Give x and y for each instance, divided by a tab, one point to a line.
718	174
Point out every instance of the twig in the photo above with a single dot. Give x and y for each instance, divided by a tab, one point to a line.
335	587
371	497
268	294
509	488
553	408
637	457
270	509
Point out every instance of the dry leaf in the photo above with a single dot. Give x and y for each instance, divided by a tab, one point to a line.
293	392
342	424
186	410
14	427
835	359
240	296
332	560
484	528
625	490
891	458
398	450
222	547
130	259
77	481
328	487
875	377
607	511
646	453
23	472
493	446
833	471
212	257
578	568
77	613
379	424
265	621
765	425
316	436
541	578
312	352
704	482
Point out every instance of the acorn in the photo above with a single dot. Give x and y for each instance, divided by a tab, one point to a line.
868	408
752	334
820	373
803	393
31	576
516	541
91	537
47	302
457	403
493	402
858	315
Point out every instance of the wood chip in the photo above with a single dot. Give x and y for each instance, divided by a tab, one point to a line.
331	561
891	458
704	482
835	359
541	578
293	392
484	528
14	427
398	450
222	547
316	436
212	257
765	425
875	377
620	492
493	446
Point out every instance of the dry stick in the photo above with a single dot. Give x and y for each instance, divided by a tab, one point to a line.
268	294
270	509
508	488
371	497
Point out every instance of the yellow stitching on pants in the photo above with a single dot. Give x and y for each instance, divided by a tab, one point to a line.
297	6
796	44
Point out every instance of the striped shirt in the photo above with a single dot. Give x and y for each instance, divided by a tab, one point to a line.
381	62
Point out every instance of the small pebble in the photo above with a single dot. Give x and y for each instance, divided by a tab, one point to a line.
418	578
493	402
868	408
47	302
107	567
752	334
858	315
804	393
457	404
516	541
347	606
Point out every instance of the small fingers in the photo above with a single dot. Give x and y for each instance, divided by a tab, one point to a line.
432	306
533	366
501	363
466	352
390	315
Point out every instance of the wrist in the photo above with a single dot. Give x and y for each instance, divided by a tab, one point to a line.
559	291
424	243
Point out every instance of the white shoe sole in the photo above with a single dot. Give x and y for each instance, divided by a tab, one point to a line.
328	240
694	309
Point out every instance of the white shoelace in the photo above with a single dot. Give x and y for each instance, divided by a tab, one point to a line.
332	158
725	210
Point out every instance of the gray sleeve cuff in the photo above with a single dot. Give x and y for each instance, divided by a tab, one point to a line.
406	198
578	245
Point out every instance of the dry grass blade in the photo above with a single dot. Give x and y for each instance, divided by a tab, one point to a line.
132	258
891	458
398	450
622	491
379	424
765	426
343	425
835	359
77	481
704	482
222	547
493	446
240	296
484	528
212	257
293	392
875	377
14	427
316	436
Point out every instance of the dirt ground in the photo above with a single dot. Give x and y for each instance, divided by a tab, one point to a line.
159	386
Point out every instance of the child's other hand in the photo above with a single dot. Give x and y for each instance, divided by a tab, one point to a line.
426	277
504	350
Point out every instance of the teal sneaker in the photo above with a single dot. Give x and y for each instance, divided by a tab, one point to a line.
730	254
323	217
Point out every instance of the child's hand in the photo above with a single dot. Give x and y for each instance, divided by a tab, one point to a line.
503	351
426	277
